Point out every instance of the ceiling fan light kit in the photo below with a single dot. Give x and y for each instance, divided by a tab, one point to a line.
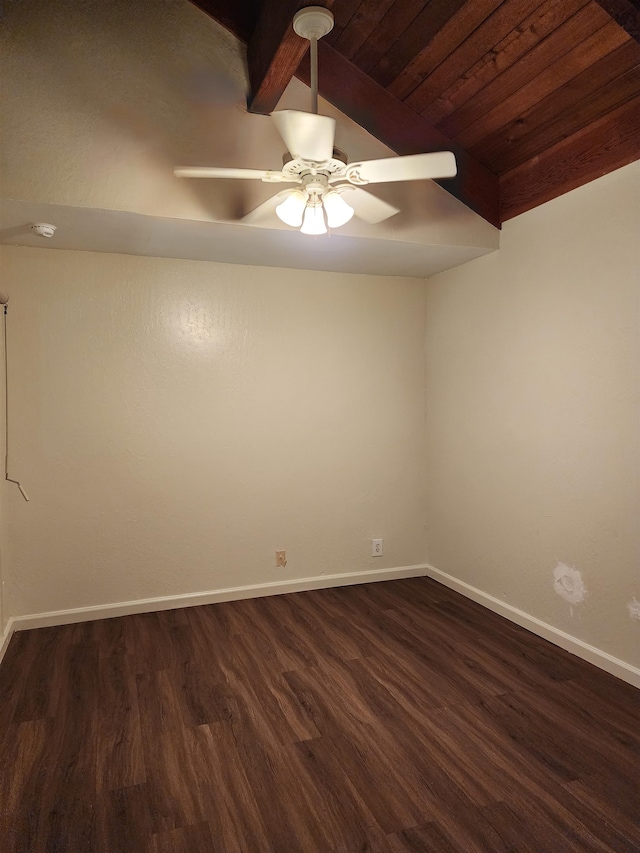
321	170
320	201
337	210
313	222
291	210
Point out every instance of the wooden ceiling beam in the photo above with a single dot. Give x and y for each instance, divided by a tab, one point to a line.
596	150
376	110
626	13
274	53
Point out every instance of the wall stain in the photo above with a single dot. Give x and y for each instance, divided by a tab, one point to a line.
568	583
634	608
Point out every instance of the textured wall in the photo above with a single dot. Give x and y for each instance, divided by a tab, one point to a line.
4	614
176	422
533	425
101	100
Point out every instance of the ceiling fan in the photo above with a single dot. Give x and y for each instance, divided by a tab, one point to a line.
328	189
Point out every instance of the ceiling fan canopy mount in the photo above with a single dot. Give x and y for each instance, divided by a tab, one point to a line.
313	22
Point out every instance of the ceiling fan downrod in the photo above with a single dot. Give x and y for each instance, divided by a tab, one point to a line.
313	23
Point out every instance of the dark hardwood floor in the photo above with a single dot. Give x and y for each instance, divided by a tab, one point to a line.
394	716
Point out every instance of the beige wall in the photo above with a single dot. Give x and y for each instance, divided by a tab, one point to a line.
176	422
101	100
4	615
533	425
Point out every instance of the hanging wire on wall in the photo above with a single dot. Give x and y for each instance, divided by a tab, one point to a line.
3	301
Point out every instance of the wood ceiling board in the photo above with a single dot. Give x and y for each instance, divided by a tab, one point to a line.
392	122
600	89
274	52
343	11
514	46
491	32
579	27
606	40
627	88
399	17
399	69
600	148
587	21
626	13
365	20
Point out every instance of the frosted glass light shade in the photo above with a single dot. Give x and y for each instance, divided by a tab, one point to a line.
338	211
291	210
313	222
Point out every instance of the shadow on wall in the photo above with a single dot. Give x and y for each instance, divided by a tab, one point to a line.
159	85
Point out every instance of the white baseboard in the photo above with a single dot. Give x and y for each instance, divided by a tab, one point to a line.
6	637
593	655
615	666
147	605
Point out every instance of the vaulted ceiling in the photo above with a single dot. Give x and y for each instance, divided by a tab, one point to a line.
535	97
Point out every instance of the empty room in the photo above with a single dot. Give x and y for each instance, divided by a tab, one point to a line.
320	409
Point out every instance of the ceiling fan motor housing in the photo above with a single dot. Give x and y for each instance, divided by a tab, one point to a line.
339	157
300	168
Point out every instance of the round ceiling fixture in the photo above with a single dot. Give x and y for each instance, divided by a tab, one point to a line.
43	229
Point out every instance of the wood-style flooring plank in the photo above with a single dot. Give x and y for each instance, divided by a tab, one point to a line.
119	761
22	779
420	838
124	821
62	779
185	840
395	716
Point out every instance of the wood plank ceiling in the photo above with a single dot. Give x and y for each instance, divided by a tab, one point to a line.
535	97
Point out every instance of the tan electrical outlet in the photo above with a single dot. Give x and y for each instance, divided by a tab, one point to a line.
281	558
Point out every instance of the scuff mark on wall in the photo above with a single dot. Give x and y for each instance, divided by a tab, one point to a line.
569	585
634	608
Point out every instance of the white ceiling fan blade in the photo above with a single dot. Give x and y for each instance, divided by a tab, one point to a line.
366	205
307	136
221	172
413	167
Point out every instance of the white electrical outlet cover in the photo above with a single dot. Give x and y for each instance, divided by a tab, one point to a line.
376	547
